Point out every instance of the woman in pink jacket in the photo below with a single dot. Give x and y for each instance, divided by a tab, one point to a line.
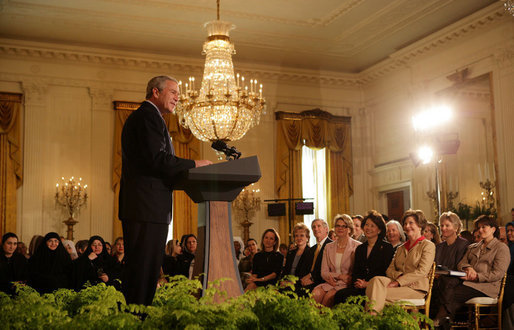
337	263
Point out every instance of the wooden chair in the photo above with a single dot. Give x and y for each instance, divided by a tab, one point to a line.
475	304
421	304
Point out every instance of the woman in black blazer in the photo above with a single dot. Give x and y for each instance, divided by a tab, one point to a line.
299	259
371	258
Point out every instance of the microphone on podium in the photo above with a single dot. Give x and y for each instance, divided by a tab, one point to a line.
230	152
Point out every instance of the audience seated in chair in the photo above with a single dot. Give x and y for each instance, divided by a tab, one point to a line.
337	262
485	264
371	258
13	265
267	264
394	233
299	260
447	256
50	266
407	275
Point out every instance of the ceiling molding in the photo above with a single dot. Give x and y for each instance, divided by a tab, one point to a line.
123	60
476	22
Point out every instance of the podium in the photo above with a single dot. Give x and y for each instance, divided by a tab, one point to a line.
214	187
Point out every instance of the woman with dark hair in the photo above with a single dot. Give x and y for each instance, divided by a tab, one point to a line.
371	258
485	263
245	265
299	260
407	275
186	260
50	266
337	262
35	242
431	232
13	265
95	265
267	264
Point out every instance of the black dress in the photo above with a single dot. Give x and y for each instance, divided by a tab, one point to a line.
447	256
173	266
12	269
302	268
366	267
85	269
265	263
50	270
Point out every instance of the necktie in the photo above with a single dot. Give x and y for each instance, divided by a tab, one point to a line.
315	257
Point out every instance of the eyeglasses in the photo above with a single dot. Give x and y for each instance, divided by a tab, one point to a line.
341	226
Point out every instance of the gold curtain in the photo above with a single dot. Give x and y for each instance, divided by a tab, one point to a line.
186	146
11	159
315	129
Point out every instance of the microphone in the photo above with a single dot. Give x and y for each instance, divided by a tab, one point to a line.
221	146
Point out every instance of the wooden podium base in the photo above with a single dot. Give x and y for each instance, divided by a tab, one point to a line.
215	256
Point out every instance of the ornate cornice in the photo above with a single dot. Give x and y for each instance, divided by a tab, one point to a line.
482	19
48	52
186	66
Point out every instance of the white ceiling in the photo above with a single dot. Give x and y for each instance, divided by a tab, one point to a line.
339	35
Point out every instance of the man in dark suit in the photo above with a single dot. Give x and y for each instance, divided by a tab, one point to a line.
149	169
320	231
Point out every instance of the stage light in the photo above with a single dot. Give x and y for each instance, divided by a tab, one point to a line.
431	118
425	154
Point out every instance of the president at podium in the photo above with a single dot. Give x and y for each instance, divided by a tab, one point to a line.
149	169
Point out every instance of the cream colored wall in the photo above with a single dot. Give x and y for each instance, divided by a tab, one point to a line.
391	101
69	122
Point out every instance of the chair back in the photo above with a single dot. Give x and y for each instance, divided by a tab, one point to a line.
502	290
431	277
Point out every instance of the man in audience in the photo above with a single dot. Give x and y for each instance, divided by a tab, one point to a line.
320	231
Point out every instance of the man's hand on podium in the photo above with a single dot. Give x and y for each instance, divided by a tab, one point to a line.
203	162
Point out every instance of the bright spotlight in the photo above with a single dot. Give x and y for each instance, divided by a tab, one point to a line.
431	118
425	154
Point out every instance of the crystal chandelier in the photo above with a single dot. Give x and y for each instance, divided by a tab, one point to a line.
225	108
509	6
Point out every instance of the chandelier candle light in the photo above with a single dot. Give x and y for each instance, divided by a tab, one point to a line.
226	107
71	196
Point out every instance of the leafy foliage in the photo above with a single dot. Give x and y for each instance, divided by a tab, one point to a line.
179	305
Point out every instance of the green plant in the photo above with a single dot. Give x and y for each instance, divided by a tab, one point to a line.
178	305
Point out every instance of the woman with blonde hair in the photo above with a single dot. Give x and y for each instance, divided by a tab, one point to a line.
448	253
337	262
299	259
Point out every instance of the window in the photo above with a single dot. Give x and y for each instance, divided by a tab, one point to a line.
314	184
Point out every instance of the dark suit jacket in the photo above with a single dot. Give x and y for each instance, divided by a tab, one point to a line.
304	264
316	272
376	264
149	167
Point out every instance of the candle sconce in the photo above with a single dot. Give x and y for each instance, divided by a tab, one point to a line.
71	195
246	205
488	200
450	197
432	195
